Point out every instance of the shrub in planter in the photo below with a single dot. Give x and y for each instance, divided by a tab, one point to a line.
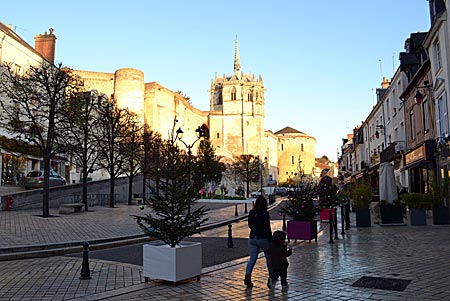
417	204
440	209
391	213
361	195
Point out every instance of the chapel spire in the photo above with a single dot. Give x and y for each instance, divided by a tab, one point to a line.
237	61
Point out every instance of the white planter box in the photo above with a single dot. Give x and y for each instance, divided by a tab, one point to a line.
172	264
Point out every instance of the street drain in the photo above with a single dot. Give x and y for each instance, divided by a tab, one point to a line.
390	284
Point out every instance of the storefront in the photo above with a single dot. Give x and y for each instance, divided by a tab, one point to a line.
420	166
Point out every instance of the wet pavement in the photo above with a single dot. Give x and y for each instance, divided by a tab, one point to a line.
420	255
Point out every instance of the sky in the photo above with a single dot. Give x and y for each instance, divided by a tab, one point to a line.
321	61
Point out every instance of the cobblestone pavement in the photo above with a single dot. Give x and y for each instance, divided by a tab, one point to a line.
317	271
28	227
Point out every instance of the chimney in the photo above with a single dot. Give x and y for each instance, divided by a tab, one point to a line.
45	45
385	84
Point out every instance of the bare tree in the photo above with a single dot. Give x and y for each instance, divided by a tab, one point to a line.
132	142
82	124
113	126
247	167
34	109
151	157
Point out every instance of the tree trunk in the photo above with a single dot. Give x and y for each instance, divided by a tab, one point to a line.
111	192
84	188
130	189
46	192
144	186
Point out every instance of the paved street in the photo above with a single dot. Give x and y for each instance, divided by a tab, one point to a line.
322	271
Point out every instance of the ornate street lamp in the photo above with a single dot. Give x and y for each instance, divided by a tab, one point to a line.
199	133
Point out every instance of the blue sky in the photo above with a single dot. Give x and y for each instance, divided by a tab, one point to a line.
321	61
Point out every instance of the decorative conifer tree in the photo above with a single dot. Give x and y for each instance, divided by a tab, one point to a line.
170	220
300	206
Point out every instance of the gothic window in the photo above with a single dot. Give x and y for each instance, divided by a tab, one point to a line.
219	98
233	93
218	135
250	96
301	147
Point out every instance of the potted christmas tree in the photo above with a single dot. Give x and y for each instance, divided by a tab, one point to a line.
171	220
300	208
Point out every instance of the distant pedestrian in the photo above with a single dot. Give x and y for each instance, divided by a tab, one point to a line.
279	251
260	238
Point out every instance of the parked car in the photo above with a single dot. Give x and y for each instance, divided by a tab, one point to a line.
35	179
281	191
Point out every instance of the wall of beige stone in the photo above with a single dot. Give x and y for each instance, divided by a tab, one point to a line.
289	152
101	81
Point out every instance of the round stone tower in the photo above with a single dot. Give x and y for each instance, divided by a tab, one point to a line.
129	90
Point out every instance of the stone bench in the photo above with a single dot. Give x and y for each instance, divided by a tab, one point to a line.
70	208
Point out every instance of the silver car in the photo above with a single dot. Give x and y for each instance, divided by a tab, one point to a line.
35	179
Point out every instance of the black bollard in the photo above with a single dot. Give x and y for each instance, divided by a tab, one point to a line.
235	210
342	219
347	215
284	222
230	238
335	224
85	271
330	217
246	208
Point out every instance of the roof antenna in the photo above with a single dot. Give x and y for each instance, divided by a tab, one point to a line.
381	71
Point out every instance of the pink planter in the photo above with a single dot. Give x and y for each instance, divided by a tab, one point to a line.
302	230
325	215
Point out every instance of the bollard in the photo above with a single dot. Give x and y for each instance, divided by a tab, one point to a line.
9	203
335	224
85	271
284	222
230	238
347	215
246	208
330	216
235	210
342	220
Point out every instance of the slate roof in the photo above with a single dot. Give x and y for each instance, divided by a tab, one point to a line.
288	130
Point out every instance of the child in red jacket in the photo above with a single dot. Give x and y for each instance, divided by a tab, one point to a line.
279	250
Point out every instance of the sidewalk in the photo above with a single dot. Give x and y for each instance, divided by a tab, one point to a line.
322	271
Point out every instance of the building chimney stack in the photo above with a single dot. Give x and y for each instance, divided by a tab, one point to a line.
45	45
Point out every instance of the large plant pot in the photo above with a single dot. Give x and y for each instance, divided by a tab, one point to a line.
417	216
325	214
391	214
440	216
302	230
172	264
363	218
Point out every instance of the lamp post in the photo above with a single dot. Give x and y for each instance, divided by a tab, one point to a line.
261	172
199	133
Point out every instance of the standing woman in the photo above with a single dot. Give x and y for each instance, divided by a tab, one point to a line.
260	237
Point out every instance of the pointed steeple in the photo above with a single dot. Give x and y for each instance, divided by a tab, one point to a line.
237	61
